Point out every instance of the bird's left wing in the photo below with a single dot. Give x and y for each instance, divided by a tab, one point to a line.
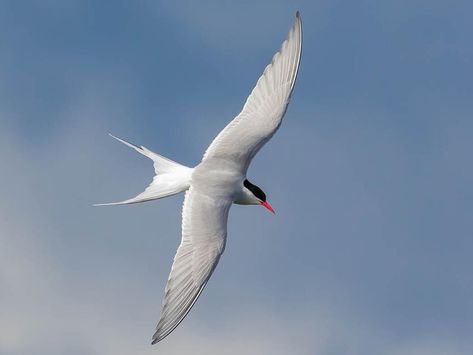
264	109
204	231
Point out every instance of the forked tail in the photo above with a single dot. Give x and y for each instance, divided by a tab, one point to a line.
170	179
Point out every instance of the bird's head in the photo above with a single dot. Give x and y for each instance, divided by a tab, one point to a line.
253	195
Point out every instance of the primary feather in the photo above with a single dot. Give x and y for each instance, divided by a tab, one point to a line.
264	109
204	231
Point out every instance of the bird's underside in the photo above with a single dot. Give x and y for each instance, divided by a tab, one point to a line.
218	181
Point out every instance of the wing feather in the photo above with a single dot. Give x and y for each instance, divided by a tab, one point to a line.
204	230
264	109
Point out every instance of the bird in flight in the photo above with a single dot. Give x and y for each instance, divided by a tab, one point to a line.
218	181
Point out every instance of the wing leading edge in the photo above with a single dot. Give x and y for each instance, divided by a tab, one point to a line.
264	109
204	231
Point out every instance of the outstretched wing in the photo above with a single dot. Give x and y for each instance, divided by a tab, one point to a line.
204	231
264	109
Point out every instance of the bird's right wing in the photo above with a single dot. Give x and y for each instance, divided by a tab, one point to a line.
264	109
204	231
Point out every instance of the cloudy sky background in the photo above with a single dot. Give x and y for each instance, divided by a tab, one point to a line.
371	177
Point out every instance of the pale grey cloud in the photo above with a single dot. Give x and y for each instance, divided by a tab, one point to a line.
105	301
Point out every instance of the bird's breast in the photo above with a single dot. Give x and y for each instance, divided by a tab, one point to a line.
217	180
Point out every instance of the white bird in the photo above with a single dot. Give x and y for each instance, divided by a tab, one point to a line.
218	181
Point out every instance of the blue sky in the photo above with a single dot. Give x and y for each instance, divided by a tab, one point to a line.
370	175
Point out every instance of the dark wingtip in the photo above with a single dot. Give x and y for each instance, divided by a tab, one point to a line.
157	338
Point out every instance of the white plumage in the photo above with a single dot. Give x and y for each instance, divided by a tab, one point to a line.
264	109
218	181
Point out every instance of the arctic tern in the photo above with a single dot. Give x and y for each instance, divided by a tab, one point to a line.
218	181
